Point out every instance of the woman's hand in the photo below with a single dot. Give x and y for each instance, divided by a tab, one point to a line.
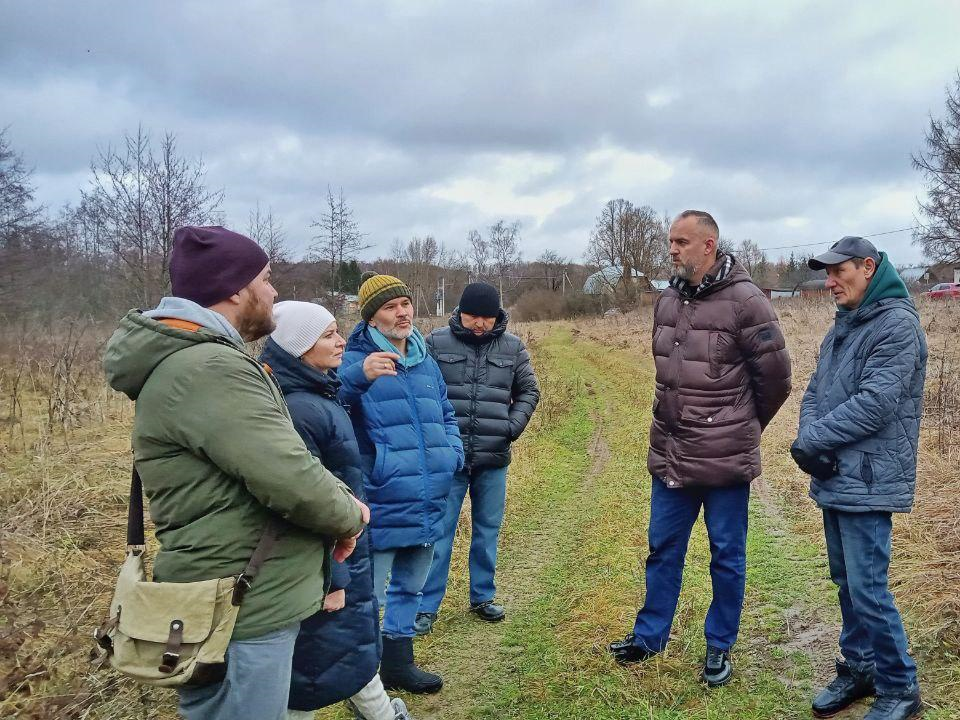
334	601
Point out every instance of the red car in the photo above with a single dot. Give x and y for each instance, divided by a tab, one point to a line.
944	290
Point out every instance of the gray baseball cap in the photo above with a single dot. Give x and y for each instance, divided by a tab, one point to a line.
846	248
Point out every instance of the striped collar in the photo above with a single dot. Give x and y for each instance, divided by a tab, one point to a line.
723	267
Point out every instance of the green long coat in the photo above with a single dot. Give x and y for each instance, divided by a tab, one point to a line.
218	456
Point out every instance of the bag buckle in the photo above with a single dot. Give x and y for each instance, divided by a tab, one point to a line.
171	654
240	588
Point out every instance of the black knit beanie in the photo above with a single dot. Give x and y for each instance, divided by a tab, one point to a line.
481	299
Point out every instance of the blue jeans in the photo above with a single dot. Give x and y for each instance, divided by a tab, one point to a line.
406	569
257	684
872	639
673	511
488	492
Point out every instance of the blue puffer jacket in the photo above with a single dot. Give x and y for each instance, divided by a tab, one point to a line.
864	403
337	653
409	443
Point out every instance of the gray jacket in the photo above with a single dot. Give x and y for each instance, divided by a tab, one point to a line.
864	404
490	383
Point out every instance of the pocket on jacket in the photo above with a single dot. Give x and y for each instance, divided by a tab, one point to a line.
720	353
378	463
706	417
453	367
866	469
499	372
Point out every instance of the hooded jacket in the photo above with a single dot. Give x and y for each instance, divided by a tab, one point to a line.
337	653
409	444
723	372
865	399
219	458
491	385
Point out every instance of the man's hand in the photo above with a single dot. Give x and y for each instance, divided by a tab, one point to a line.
344	548
380	363
334	601
364	511
821	466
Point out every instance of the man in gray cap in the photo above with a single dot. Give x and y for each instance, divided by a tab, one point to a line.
859	428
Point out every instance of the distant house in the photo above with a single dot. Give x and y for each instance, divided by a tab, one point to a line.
943	272
914	276
774	293
813	288
605	279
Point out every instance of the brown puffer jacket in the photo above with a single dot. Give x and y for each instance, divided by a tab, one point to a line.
723	371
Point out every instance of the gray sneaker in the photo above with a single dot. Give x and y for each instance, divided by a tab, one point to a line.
400	710
423	625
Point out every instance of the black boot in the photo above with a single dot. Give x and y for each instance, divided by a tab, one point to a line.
399	672
896	707
845	689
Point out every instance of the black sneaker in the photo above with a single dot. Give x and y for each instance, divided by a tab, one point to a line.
489	611
844	690
717	668
625	652
896	707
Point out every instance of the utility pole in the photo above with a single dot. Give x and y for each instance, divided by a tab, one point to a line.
441	297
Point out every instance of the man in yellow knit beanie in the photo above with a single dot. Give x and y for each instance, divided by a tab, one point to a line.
410	448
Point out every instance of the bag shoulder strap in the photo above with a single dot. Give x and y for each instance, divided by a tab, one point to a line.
136	540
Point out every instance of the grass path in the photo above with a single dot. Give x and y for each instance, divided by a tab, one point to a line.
570	574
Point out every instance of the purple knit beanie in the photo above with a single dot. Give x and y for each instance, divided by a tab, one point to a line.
209	264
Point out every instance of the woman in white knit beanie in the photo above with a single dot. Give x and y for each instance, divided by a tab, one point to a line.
338	651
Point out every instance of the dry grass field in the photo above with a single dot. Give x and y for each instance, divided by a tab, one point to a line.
64	469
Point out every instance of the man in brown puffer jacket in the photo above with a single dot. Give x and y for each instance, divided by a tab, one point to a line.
723	372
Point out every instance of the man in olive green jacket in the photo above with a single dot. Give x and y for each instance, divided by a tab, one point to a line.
219	457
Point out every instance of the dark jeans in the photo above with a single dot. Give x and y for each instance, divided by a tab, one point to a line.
872	639
673	511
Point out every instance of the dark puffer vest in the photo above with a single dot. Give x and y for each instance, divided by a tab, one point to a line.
490	383
723	372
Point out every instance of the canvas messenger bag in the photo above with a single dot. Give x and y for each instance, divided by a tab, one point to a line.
170	634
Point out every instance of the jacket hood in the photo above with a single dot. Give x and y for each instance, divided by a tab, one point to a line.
467	336
294	375
139	344
886	283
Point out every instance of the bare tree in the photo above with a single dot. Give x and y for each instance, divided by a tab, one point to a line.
19	217
753	259
268	234
138	200
553	266
17	209
633	239
338	238
478	253
504	244
940	164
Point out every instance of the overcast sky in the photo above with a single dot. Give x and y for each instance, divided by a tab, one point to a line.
791	122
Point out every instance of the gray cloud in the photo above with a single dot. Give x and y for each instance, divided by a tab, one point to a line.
788	121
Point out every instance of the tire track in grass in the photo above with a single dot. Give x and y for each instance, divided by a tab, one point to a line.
546	474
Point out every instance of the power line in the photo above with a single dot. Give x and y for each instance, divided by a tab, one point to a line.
830	242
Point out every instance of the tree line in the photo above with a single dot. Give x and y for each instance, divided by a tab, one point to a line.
111	251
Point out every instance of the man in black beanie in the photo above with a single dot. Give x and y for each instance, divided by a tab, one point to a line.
494	391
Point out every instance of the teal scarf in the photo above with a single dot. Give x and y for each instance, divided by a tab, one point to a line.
416	346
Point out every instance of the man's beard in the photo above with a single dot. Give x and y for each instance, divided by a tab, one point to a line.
257	321
685	271
396	333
